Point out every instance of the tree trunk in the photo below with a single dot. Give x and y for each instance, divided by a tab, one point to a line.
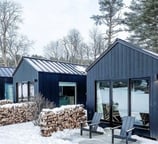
4	51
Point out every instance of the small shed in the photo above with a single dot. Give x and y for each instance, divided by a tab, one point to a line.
62	83
6	83
124	81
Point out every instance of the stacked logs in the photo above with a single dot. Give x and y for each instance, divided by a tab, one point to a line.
17	113
65	117
3	102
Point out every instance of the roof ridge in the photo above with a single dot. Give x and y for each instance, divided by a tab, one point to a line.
44	59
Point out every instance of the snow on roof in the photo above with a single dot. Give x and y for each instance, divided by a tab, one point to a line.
6	71
151	52
81	69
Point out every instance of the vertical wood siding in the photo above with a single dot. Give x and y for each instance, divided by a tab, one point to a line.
49	86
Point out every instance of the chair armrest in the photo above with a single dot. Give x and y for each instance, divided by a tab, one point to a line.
102	122
115	127
129	130
92	124
86	121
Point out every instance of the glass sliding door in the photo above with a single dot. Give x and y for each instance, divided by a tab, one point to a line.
140	101
103	99
120	100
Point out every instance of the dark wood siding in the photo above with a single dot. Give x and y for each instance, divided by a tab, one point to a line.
49	86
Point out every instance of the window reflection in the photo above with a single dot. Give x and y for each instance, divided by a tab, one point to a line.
67	93
140	101
120	100
103	105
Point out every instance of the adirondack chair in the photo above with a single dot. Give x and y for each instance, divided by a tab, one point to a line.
126	129
92	125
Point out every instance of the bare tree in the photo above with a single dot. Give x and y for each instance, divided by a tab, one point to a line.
85	54
70	48
12	44
97	43
53	50
10	17
74	39
17	46
66	49
76	46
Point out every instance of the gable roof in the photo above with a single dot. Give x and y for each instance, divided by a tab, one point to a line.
125	43
6	71
44	65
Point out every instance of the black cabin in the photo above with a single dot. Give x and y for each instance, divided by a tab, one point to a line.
124	81
62	83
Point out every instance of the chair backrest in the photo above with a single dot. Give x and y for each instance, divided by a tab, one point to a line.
127	123
145	118
96	119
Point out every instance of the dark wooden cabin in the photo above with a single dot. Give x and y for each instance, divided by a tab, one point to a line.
124	81
62	83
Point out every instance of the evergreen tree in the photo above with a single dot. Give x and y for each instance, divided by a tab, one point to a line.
110	17
142	22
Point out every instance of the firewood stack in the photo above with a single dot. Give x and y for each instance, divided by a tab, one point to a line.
65	117
17	112
3	102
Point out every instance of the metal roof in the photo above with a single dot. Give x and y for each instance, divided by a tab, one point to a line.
6	71
43	65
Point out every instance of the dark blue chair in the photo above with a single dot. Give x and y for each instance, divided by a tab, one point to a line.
92	125
126	129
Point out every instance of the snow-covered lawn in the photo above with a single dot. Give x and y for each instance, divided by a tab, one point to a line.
27	133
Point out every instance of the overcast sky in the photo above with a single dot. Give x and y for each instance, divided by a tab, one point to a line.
47	20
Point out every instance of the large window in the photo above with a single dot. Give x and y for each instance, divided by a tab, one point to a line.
67	93
103	102
116	99
119	102
25	91
140	101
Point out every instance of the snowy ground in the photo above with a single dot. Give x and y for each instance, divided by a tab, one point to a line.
27	133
